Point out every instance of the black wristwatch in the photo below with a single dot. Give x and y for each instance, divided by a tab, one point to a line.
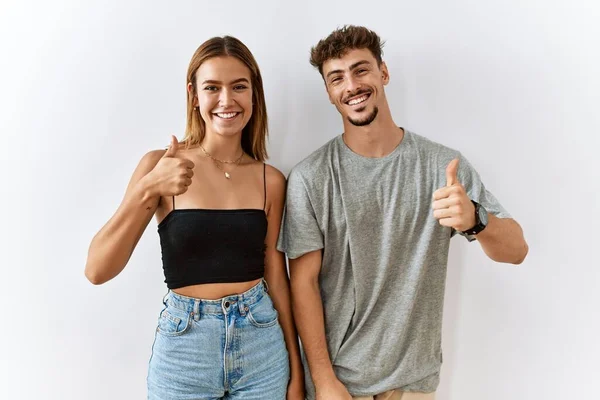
481	219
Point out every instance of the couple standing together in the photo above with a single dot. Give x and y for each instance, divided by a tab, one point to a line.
366	222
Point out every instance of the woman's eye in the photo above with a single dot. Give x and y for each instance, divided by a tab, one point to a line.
240	87
210	88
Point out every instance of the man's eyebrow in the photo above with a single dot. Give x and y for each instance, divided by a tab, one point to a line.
358	64
353	66
335	71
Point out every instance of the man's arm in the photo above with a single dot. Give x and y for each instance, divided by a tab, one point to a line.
502	240
307	307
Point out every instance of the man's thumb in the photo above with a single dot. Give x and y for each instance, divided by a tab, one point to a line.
452	172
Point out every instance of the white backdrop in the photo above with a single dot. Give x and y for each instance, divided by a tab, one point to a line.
87	87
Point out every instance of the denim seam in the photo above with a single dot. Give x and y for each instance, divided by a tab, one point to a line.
225	376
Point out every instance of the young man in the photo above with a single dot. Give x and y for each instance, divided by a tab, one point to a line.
367	228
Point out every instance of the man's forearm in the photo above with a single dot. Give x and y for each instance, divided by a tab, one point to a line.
308	313
502	240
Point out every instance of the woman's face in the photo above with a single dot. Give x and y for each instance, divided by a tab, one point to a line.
224	95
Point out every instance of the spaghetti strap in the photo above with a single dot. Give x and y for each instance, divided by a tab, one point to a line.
265	184
173	203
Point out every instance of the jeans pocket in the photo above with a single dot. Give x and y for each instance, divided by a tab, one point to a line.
173	323
263	314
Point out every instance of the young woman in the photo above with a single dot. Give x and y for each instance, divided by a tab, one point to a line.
226	330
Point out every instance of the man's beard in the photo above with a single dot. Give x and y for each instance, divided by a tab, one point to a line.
367	120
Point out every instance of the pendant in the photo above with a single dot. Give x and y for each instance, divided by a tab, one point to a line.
227	175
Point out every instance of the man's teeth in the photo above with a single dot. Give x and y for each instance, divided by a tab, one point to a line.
227	115
358	100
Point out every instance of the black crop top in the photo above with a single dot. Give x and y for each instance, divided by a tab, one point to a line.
212	245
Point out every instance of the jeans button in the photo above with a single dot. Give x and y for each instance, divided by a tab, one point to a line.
227	304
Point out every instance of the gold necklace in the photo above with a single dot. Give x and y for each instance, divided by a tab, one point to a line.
237	160
218	162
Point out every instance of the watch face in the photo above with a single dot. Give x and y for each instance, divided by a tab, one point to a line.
483	215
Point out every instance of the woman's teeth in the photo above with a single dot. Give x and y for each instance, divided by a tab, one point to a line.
227	115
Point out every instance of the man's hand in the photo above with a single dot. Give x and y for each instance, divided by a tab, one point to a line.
451	206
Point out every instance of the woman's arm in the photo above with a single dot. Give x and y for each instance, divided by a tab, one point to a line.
159	173
278	281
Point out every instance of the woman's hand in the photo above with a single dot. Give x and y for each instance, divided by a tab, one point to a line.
295	390
172	175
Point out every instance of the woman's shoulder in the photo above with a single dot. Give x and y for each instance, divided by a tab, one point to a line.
274	176
150	159
154	155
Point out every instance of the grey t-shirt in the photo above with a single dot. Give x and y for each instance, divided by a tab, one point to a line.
384	257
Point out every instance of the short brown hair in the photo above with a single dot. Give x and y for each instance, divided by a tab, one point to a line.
254	134
344	39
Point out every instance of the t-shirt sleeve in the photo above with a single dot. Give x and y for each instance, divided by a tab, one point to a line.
300	232
470	179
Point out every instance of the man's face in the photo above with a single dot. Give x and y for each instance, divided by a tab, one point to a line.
355	85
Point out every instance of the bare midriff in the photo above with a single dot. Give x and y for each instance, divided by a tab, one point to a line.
213	291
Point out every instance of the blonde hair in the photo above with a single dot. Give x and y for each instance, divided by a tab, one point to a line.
254	134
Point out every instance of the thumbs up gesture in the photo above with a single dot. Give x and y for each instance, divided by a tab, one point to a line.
172	149
451	204
172	174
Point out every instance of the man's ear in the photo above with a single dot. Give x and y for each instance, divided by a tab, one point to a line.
385	74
